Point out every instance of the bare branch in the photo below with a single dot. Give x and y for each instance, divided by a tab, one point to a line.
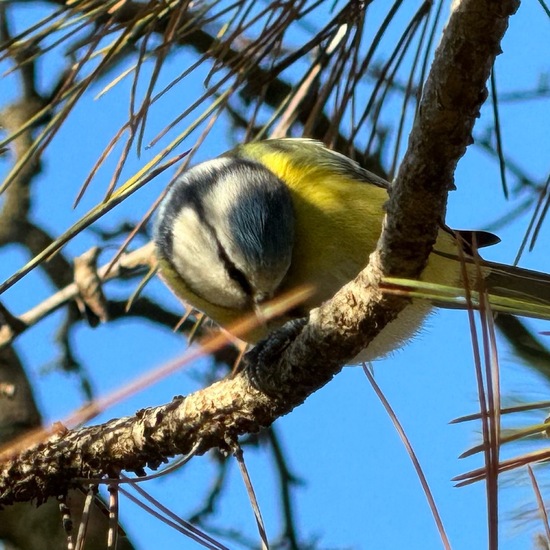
143	256
209	417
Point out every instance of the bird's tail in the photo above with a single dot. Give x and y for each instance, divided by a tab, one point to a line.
509	289
530	290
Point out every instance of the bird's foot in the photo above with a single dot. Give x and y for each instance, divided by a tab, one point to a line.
262	362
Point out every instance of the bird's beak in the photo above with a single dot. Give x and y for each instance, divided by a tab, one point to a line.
257	307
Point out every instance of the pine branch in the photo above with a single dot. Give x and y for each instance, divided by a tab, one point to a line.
454	92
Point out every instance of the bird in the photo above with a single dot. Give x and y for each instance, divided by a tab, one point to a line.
271	216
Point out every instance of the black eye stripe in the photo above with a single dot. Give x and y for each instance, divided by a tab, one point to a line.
232	270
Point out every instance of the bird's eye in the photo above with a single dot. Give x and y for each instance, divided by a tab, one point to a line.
233	271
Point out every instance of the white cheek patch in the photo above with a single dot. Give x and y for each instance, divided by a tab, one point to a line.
195	256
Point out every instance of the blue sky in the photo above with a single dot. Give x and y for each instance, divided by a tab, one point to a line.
360	490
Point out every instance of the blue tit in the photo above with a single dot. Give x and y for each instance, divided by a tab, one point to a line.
276	215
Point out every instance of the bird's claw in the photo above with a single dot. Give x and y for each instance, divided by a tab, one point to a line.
261	363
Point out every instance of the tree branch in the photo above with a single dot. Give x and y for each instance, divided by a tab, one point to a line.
338	330
130	261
